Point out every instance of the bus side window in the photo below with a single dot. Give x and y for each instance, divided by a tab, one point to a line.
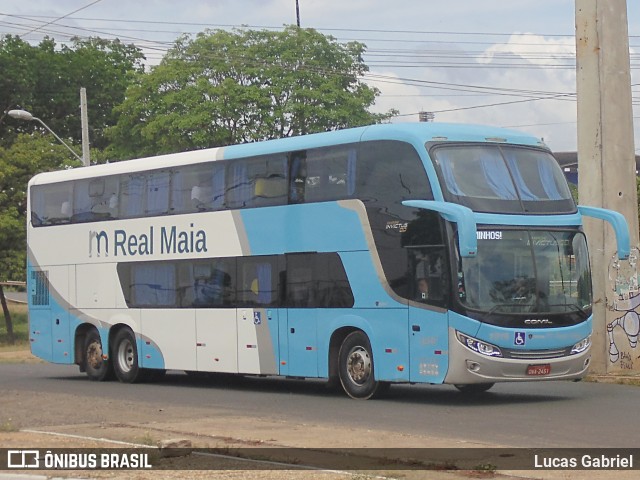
214	283
297	177
257	281
197	188
331	173
428	269
131	195
157	190
269	180
333	289
153	285
53	203
317	280
95	200
300	291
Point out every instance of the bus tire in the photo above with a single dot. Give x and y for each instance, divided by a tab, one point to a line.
474	388
355	367
94	363
124	355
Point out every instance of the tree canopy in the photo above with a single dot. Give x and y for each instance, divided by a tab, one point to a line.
223	87
46	80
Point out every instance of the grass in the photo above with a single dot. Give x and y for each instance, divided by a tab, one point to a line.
8	426
20	328
145	439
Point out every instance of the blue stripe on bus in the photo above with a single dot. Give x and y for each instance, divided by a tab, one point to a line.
319	227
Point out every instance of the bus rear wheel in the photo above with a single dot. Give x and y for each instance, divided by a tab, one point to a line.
95	365
355	367
124	355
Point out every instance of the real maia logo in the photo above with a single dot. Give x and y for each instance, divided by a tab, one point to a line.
168	240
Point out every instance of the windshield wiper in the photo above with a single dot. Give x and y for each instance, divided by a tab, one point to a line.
502	305
570	306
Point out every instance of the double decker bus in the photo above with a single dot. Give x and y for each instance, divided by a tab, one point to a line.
400	253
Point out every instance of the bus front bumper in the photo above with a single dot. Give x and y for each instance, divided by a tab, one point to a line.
468	367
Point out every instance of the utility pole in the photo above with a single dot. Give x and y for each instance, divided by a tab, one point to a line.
298	13
86	160
607	176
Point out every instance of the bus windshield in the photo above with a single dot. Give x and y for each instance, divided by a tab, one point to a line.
527	271
501	178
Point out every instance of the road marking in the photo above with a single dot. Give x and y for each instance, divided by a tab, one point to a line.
82	437
205	454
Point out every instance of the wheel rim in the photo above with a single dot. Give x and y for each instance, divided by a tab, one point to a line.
126	356
359	365
94	355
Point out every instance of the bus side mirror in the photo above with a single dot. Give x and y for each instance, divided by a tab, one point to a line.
459	214
619	224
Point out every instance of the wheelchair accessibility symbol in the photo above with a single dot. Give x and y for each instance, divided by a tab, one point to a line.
519	338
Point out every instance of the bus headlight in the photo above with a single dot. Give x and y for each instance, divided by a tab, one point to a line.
581	346
478	346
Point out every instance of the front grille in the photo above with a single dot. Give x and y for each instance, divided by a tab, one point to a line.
537	354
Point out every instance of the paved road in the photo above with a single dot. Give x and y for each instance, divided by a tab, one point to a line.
20	297
555	414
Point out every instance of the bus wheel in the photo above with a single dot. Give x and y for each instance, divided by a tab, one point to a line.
474	388
356	367
125	357
95	365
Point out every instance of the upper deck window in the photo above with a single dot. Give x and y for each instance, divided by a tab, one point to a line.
504	179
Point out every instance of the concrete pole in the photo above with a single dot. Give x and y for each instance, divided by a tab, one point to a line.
606	161
86	160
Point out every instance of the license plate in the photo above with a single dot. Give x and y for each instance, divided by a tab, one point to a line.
537	370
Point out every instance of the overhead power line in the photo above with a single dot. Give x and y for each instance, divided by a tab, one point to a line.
63	16
421	51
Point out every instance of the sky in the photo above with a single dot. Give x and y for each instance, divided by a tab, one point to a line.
494	62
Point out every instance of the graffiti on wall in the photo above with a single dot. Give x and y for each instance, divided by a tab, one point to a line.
623	331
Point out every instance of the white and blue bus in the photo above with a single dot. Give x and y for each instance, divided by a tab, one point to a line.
401	253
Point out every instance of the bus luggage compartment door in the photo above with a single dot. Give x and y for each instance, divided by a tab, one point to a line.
216	340
257	340
302	342
428	344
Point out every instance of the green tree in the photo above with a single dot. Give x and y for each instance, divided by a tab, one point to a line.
18	64
46	81
28	155
226	87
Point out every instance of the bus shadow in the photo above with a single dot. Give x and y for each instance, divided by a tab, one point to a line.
450	396
399	393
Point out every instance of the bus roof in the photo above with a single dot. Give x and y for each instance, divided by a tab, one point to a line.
414	133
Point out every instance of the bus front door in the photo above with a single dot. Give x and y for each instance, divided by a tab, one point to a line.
428	325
